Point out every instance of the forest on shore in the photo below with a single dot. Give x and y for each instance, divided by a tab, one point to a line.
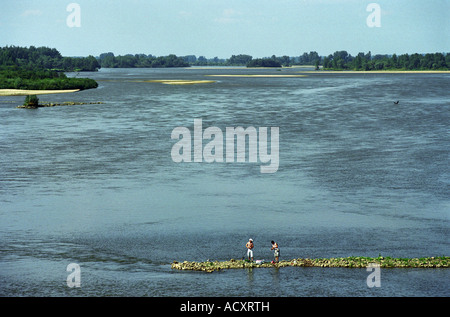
43	68
339	60
45	58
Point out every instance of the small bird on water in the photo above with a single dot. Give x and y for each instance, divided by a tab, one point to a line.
396	102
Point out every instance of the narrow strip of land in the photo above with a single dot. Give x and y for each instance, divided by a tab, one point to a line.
376	72
349	262
262	75
56	104
179	81
20	92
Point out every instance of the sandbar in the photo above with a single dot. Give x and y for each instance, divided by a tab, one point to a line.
179	81
262	76
20	92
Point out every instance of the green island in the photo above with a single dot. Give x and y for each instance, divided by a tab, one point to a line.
14	77
43	69
348	262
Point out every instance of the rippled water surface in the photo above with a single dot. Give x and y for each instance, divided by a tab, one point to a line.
96	184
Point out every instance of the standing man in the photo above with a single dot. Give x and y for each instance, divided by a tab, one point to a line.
250	247
276	251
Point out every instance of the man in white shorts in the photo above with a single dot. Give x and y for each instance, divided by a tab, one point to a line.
250	247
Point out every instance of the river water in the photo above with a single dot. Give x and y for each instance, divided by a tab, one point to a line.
96	185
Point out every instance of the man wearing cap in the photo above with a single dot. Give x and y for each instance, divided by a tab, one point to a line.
250	246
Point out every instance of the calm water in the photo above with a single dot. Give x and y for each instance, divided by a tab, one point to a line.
96	185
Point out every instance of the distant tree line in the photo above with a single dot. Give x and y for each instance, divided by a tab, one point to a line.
109	60
45	58
341	60
264	62
42	68
14	77
203	61
247	60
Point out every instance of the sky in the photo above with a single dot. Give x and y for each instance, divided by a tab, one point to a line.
222	28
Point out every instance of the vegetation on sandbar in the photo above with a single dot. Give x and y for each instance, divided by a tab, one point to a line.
31	101
15	77
348	262
34	105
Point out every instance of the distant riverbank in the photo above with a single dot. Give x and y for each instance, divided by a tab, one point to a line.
383	72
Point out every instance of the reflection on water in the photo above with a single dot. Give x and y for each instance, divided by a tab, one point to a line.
96	184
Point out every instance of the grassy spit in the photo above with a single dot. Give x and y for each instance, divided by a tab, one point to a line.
349	262
20	92
66	103
258	76
179	81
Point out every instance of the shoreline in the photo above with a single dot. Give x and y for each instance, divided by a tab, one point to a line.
378	72
179	81
22	92
349	262
259	76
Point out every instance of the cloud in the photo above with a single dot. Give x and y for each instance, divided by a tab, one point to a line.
29	13
185	14
229	16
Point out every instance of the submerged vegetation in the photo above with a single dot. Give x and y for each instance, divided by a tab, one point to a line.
27	105
348	262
